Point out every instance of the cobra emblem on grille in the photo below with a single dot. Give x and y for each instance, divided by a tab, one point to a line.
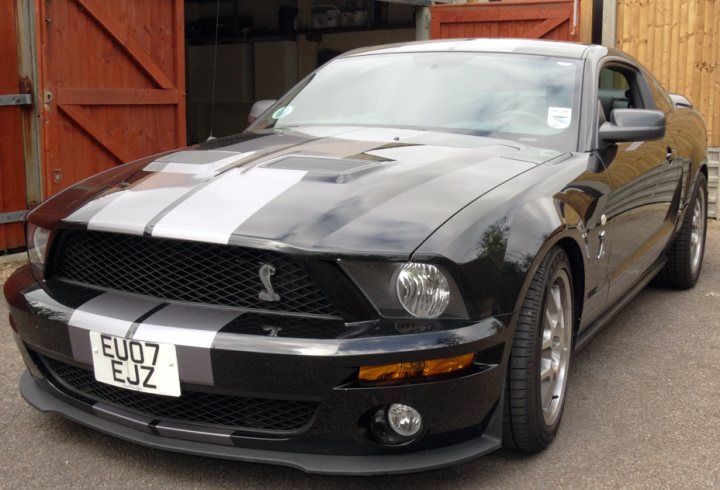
266	273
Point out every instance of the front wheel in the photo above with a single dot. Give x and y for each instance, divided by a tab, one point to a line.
686	253
540	357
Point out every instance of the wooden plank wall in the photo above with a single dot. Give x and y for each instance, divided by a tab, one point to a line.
677	40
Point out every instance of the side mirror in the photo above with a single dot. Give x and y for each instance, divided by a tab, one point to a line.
681	101
633	125
258	108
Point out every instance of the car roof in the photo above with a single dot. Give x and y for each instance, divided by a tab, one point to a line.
504	45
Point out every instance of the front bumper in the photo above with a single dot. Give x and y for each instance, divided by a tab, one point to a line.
42	397
462	414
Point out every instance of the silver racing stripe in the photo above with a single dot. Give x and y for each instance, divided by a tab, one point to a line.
109	313
195	365
200	163
134	208
169	179
80	345
192	330
185	325
91	208
213	213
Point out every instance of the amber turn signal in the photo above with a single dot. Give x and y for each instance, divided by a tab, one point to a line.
419	369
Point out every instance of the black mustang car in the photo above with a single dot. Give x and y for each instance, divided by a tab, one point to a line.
389	271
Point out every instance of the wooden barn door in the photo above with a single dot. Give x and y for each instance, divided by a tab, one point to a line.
530	19
13	200
113	81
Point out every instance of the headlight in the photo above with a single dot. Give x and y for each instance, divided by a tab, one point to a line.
37	241
423	290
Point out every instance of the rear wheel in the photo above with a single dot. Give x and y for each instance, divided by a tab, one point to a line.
540	357
686	253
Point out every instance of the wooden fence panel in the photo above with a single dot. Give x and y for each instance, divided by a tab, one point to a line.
678	42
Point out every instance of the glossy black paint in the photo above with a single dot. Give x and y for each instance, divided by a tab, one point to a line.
484	210
457	409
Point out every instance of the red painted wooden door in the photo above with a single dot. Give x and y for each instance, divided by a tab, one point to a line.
12	163
530	19
113	80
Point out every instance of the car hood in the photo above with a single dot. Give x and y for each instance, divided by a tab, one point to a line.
342	190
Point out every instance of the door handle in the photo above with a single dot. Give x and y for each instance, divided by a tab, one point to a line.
669	155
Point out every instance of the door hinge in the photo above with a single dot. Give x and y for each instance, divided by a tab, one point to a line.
12	217
15	99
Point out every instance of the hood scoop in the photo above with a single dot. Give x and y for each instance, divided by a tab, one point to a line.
326	166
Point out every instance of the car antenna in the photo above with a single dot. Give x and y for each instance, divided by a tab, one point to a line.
214	73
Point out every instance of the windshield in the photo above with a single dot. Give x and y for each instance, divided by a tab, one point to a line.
530	99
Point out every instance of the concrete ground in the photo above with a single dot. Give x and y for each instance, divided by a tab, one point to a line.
643	411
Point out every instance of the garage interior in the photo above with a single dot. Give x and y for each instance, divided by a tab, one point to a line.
264	48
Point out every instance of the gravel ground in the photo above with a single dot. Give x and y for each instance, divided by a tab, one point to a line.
643	411
8	263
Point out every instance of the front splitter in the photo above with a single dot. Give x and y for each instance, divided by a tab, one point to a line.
40	397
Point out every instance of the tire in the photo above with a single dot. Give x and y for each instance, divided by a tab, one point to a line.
533	407
685	256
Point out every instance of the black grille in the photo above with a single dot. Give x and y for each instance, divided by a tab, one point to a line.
180	270
195	407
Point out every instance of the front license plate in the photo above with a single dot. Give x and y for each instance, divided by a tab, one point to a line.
135	365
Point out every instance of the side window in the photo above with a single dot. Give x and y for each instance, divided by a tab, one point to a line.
619	89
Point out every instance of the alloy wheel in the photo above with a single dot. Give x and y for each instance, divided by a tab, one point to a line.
556	345
697	231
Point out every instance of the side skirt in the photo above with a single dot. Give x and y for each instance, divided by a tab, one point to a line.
588	333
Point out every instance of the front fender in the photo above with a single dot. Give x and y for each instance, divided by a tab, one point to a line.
497	242
538	226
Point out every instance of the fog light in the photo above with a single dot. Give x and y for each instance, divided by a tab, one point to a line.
395	425
404	420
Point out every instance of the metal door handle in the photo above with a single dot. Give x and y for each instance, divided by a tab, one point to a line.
669	155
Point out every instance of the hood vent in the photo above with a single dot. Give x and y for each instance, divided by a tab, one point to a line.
322	165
